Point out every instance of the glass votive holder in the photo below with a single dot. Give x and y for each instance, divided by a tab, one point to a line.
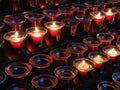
37	34
60	56
14	4
85	22
15	38
54	28
105	4
33	3
66	76
2	77
18	69
51	14
44	82
41	62
98	57
20	86
34	18
116	77
105	38
109	14
92	42
77	49
107	85
71	25
112	51
83	65
15	21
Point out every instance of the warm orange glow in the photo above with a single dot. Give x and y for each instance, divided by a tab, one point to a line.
16	35
36	29
83	66
112	52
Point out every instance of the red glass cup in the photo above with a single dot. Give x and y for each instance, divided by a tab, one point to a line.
85	22
60	56
83	65
112	51
15	21
44	82
15	38
116	77
92	42
77	49
105	38
34	18
66	76
14	4
3	77
98	57
107	85
37	34
51	14
41	62
33	3
71	25
18	69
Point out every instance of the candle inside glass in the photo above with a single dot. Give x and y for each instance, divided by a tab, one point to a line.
15	38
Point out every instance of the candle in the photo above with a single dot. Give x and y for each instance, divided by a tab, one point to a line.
15	38
36	34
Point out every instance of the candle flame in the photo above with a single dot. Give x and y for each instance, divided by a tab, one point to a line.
109	10
53	24
112	52
99	14
36	29
83	62
16	34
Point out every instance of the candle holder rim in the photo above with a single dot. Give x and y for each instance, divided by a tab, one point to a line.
106	10
7	69
83	17
45	75
4	76
2	41
95	13
2	25
114	75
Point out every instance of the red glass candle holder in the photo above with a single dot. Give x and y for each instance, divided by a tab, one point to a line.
33	3
83	65
18	69
116	77
85	22
2	77
54	28
92	42
107	85
66	75
112	51
98	57
36	34
44	82
71	24
34	18
42	62
15	38
51	14
60	55
105	38
77	49
15	21
14	4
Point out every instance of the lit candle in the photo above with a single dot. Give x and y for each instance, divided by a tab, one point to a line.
15	38
36	34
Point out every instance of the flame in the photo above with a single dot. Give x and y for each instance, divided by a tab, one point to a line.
53	24
16	34
36	29
112	52
83	62
109	10
99	14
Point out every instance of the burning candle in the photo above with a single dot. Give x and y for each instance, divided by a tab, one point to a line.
98	57
15	38
37	34
83	65
111	51
54	28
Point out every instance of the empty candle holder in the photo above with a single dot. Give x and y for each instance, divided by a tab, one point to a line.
44	82
54	28
77	49
105	38
18	69
37	34
52	14
15	38
98	57
20	86
92	42
60	56
71	25
112	51
107	85
83	65
2	77
42	62
66	76
116	77
15	21
85	22
34	18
